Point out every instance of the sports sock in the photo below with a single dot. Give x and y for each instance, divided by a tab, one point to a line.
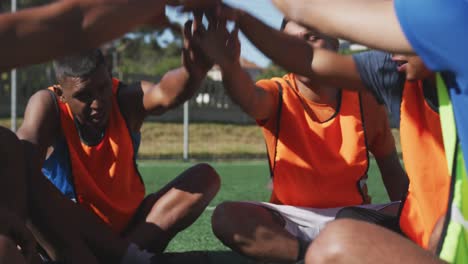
135	255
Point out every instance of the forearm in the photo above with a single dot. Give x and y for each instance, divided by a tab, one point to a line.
396	189
369	22
393	176
243	92
175	87
278	46
68	26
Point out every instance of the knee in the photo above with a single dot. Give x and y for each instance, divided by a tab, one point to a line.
223	221
6	243
9	252
331	246
206	177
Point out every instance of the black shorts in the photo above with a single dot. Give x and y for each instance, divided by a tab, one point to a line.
370	216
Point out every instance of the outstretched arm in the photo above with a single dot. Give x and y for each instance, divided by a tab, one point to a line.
176	86
223	48
37	34
322	65
369	22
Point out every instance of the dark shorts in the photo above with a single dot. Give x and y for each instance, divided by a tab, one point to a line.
370	216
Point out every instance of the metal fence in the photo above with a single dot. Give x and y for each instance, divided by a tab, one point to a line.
210	103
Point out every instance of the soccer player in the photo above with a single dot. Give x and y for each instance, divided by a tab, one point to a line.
92	121
318	139
437	33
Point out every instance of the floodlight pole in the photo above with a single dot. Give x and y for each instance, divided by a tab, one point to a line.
13	84
186	118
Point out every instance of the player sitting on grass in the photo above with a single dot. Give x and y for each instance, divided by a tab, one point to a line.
87	132
318	139
414	102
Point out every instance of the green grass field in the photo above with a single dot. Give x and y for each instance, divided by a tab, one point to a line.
241	180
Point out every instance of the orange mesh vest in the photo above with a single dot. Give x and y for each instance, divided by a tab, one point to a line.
316	164
105	176
424	158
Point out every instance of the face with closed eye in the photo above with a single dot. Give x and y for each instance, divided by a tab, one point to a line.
313	37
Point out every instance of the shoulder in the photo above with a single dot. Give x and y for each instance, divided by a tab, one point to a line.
41	119
130	102
267	83
275	83
43	101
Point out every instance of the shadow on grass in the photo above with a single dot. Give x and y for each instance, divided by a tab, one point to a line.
205	257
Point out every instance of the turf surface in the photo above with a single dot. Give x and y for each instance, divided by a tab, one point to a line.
242	180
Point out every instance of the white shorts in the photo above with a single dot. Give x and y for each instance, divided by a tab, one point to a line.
306	223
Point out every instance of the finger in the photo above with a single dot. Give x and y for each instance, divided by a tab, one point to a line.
222	22
186	57
212	20
235	31
187	33
198	20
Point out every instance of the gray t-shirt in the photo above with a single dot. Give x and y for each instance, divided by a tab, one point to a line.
380	76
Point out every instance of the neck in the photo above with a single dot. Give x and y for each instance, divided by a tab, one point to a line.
91	135
317	92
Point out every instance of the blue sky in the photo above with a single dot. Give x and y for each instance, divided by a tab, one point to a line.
262	9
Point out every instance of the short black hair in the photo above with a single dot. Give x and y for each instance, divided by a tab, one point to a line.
283	23
78	65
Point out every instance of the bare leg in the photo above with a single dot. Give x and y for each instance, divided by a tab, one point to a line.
13	187
350	241
25	192
174	208
254	231
79	235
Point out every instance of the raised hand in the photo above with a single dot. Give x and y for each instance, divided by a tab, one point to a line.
195	61
218	44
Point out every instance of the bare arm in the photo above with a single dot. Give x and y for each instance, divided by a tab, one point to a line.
254	100
393	175
369	22
176	86
41	124
322	65
38	34
224	49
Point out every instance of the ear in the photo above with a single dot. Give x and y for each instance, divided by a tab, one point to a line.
58	90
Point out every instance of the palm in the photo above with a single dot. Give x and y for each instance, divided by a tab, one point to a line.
218	43
196	63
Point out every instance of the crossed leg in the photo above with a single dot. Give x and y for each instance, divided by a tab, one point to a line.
173	208
255	232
